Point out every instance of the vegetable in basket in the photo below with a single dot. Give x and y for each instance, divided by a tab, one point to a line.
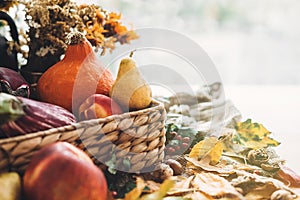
21	115
13	83
77	76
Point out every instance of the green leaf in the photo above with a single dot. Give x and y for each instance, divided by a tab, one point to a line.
126	163
111	164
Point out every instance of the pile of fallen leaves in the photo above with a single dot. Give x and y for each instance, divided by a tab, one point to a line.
241	164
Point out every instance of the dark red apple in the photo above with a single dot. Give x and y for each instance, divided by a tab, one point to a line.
61	171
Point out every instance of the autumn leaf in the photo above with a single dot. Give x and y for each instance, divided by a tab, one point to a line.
182	185
253	135
136	192
257	185
176	198
289	176
214	185
229	145
262	192
209	149
205	166
199	195
161	193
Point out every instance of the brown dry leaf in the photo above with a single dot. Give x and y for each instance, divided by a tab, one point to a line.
210	148
136	192
205	166
183	182
289	176
199	195
214	185
260	193
182	186
152	185
249	182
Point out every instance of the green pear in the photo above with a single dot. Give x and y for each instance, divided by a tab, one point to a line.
130	90
10	186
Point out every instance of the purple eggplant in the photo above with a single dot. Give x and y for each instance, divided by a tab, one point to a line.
11	108
12	82
38	116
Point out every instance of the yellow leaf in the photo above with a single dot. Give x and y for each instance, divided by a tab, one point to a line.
270	141
215	153
253	135
209	149
201	148
136	192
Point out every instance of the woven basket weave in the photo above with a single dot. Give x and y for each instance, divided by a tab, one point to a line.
137	137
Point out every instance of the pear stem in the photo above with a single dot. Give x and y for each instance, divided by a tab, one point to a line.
131	53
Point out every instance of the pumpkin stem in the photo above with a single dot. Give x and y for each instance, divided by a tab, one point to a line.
75	37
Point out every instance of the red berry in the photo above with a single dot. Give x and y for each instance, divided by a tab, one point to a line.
171	150
186	139
178	137
184	145
177	148
173	133
114	193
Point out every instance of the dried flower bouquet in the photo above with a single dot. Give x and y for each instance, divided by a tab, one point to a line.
50	21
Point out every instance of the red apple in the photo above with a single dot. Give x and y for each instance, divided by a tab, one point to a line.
98	106
61	171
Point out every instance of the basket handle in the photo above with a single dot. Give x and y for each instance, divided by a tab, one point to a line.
12	25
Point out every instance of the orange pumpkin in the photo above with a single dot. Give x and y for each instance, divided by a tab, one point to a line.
76	77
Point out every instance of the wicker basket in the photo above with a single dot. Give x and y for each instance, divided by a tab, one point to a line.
135	137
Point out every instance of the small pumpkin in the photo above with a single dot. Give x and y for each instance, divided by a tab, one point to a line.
76	77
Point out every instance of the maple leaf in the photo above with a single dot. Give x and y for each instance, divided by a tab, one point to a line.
253	135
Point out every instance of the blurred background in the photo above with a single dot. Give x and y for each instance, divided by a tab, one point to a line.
250	41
